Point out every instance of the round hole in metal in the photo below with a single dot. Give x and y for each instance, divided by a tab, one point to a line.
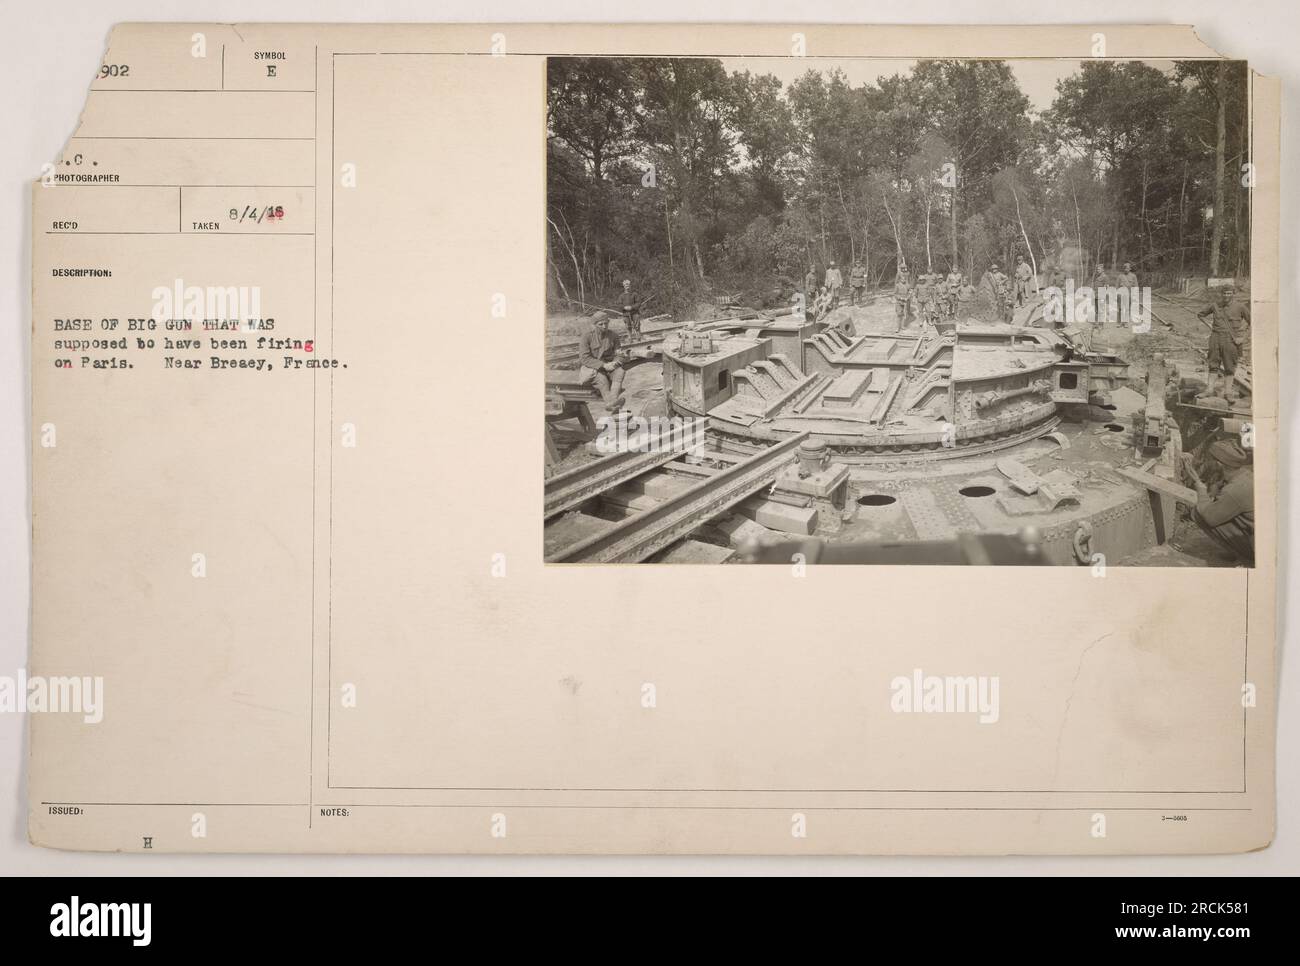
876	499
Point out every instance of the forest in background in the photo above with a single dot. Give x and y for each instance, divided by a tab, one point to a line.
695	182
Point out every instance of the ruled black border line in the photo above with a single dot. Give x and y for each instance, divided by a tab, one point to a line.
330	632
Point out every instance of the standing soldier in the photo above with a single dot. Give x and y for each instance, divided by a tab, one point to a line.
857	283
1056	278
1024	274
998	282
631	305
954	283
1228	332
1128	295
940	296
810	286
965	296
924	297
1100	292
902	295
834	282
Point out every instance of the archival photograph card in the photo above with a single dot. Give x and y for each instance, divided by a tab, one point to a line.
987	317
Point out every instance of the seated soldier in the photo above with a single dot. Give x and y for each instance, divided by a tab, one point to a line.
822	304
1228	516
599	361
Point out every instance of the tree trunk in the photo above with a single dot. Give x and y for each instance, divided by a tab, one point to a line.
1142	215
866	250
668	225
1220	137
821	219
898	241
929	261
1240	231
954	228
848	221
1033	262
1182	221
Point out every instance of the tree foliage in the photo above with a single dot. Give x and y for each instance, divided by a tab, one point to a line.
692	181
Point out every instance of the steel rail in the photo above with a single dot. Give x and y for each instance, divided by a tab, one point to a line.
567	490
646	533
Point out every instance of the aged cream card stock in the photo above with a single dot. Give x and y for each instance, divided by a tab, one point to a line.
374	511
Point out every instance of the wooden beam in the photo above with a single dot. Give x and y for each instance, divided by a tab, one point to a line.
1183	494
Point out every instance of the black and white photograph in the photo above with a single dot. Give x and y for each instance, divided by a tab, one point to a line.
889	311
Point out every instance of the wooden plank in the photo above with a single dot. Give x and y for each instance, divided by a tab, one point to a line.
571	528
737	529
656	485
1182	494
693	552
626	498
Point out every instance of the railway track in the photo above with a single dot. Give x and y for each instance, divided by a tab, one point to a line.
650	529
574	487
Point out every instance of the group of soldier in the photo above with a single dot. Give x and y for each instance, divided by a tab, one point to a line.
1105	285
933	298
1011	291
821	299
